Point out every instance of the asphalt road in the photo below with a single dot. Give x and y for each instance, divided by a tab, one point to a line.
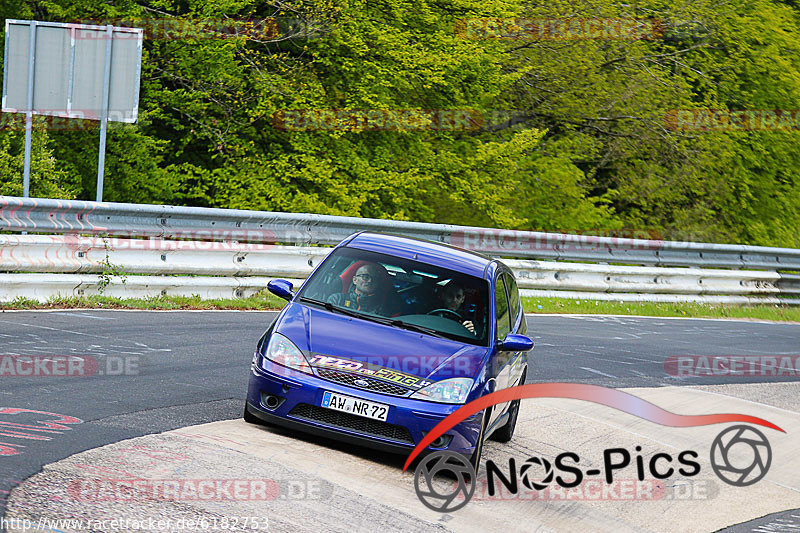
165	370
631	351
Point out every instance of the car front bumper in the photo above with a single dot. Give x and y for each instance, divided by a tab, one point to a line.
301	396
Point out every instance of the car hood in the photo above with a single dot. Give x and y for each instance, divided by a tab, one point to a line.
339	342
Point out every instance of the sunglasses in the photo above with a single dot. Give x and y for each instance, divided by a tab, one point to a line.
365	277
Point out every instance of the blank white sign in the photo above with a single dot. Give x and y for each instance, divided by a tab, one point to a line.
69	64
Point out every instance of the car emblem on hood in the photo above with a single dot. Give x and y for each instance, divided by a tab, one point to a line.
361	383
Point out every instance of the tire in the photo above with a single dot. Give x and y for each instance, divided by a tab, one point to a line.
475	458
250	417
505	433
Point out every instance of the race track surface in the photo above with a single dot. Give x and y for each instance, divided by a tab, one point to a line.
160	371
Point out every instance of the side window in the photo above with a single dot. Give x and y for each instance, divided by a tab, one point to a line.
501	309
513	297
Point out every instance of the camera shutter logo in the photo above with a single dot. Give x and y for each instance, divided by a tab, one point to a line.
526	473
745	467
444	462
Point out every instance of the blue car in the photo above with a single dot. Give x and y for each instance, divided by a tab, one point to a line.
387	337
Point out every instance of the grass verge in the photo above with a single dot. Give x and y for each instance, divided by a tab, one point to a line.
266	301
685	310
259	301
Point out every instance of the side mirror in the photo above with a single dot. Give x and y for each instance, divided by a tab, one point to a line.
281	288
515	343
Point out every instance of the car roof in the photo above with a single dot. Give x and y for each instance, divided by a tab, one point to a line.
433	253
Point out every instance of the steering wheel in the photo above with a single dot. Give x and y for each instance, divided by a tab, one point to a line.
446	313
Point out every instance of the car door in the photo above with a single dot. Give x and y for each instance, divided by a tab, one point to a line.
518	326
502	328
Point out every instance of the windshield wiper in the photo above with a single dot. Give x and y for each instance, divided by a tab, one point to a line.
418	329
329	306
344	310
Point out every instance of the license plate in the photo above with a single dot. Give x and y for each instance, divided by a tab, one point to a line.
356	406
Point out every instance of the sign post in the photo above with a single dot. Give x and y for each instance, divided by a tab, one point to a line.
101	161
26	178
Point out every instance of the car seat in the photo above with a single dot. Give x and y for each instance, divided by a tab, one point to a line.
348	275
387	295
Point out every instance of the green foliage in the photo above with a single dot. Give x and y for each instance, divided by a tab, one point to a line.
586	146
47	180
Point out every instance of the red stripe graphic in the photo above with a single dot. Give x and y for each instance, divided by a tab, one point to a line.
613	398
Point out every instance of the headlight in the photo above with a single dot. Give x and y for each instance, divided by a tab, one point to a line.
453	390
282	351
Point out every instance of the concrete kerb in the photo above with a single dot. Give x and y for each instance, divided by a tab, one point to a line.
361	490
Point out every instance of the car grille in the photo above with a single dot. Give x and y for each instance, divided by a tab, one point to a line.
359	424
374	385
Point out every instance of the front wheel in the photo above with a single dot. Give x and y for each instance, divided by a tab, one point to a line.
475	458
505	433
250	417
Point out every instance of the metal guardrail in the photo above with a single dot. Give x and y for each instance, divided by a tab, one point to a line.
77	255
43	287
231	270
78	217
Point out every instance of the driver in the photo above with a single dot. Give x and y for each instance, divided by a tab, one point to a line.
451	297
368	292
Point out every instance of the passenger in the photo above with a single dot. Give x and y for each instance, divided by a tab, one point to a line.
369	291
451	298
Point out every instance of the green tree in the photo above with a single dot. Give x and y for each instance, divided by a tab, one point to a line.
584	142
46	179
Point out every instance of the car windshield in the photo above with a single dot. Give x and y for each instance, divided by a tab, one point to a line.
401	292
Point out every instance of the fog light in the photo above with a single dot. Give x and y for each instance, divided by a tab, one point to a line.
270	401
442	441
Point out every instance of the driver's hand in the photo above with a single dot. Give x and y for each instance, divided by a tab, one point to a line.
469	325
